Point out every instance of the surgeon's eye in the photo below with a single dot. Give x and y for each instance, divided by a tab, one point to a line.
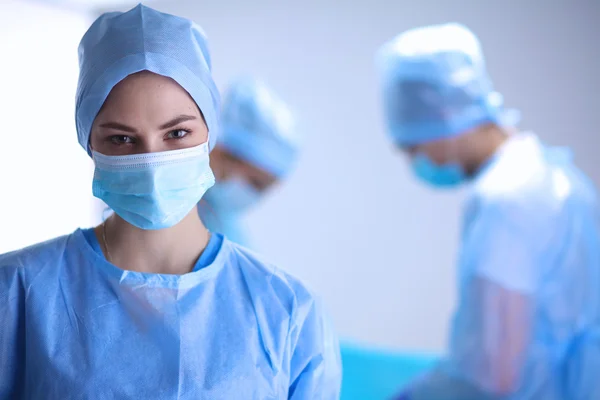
178	134
121	139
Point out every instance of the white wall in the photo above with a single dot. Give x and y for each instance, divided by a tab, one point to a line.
351	221
45	177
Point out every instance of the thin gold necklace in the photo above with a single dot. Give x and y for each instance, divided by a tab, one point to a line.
108	257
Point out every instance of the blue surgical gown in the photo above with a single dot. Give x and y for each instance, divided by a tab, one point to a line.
527	325
75	326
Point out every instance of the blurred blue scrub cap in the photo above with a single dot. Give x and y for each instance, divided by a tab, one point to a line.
120	44
435	85
258	127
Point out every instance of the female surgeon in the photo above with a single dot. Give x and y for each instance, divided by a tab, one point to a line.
150	305
257	149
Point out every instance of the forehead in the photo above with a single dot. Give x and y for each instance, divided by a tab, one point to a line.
146	83
146	93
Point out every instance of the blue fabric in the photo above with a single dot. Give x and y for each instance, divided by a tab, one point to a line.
120	44
223	207
155	190
441	176
75	326
206	258
210	252
233	196
376	374
257	127
231	225
435	85
527	325
92	240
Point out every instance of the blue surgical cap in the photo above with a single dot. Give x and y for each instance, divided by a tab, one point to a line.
258	127
120	44
435	85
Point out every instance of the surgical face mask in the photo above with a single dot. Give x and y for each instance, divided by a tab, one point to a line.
153	190
447	175
232	195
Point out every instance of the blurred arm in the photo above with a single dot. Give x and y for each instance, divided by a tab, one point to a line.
493	325
489	347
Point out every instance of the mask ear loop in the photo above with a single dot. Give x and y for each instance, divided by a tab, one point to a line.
453	153
106	213
203	204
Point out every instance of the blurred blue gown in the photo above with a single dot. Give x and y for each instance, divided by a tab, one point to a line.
527	324
75	326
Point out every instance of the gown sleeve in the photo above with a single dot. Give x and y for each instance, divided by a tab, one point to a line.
12	332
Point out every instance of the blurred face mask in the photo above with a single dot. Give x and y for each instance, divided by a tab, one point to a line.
153	190
443	176
233	195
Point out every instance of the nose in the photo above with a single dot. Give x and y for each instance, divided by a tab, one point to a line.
147	145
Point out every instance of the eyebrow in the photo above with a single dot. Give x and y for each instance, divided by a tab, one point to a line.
122	127
176	121
118	126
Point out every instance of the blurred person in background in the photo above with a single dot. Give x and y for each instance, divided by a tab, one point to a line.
150	304
257	149
527	324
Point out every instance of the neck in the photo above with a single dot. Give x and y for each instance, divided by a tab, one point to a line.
481	151
173	250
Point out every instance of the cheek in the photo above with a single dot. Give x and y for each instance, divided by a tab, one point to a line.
95	140
439	156
222	167
201	135
201	129
240	170
216	165
436	152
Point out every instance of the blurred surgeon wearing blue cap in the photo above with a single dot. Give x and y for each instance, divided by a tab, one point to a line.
527	323
257	149
150	304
